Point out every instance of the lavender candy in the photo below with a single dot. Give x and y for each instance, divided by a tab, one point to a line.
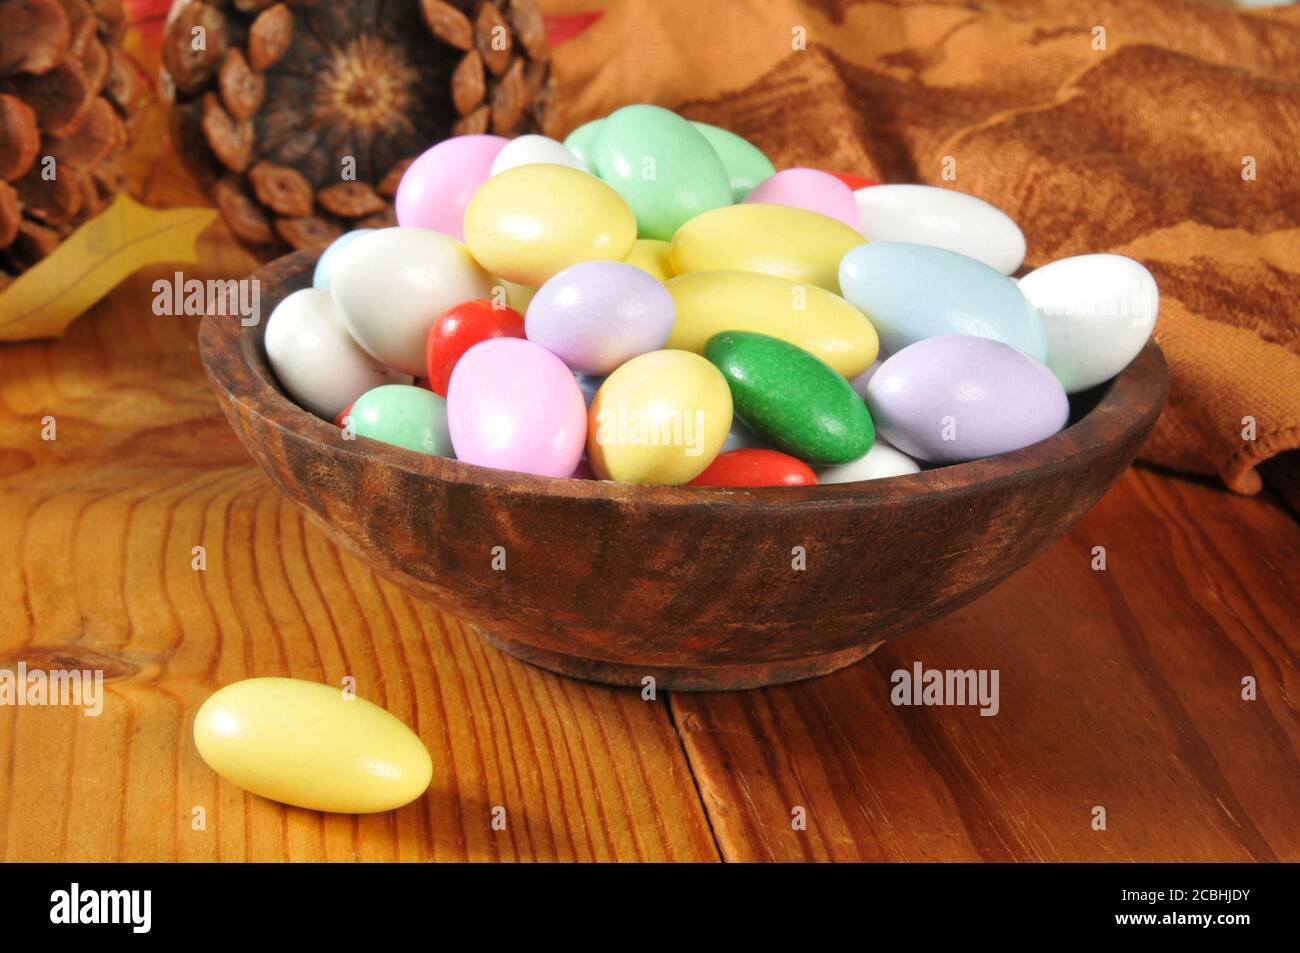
597	315
955	398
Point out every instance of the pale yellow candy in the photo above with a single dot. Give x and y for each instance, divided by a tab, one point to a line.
774	239
305	744
516	296
660	418
803	314
532	221
651	256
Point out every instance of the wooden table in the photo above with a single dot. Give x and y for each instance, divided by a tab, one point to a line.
1119	688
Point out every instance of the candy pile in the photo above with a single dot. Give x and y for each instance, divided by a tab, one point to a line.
651	302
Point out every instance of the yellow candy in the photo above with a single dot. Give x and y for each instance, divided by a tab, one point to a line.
305	744
774	239
804	315
534	220
651	256
660	418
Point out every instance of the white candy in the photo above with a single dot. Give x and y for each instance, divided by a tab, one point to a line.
925	215
314	357
881	461
1097	310
391	285
534	150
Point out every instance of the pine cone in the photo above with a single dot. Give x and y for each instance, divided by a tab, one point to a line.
66	93
302	116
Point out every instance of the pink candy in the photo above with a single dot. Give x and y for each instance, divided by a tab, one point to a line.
436	188
514	405
809	189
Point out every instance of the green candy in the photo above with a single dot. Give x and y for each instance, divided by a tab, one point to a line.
405	416
582	139
791	398
746	166
662	166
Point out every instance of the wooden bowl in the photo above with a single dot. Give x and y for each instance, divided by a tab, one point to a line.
700	588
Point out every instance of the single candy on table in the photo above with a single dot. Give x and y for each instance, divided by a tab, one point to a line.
315	359
956	398
1098	311
809	189
437	186
651	256
662	165
791	243
660	418
596	315
944	218
321	276
708	302
390	286
534	149
791	398
458	329
531	222
880	461
745	164
405	416
756	467
914	292
513	405
308	745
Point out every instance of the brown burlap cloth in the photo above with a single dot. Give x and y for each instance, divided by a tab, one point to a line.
1166	131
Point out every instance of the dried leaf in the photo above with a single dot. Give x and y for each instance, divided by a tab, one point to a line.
93	260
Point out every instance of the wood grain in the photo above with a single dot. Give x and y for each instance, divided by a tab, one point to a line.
95	571
1119	688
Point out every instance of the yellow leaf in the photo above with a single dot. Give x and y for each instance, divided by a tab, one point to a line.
94	259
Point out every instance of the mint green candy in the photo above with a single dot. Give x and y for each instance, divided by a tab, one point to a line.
405	416
662	166
792	399
746	166
582	139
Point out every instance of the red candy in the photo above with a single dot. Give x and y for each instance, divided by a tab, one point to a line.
458	329
338	421
756	467
854	182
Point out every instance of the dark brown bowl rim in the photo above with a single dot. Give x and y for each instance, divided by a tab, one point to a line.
1129	402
